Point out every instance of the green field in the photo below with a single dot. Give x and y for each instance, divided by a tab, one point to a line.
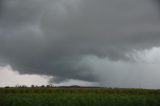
78	97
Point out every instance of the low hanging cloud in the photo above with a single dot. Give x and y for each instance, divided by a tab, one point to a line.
54	37
142	72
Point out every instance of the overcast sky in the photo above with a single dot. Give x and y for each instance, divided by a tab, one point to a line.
114	43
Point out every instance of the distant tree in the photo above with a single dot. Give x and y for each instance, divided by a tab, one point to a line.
32	86
23	86
6	87
42	86
48	86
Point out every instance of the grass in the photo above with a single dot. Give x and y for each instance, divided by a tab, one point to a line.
78	97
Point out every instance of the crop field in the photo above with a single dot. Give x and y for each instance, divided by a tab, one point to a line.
78	97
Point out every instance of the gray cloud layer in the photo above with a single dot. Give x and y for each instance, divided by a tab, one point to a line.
52	36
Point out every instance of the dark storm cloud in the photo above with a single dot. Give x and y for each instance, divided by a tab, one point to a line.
51	37
1	5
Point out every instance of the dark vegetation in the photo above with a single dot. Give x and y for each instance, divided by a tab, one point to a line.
78	96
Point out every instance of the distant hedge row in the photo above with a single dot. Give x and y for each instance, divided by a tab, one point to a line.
81	90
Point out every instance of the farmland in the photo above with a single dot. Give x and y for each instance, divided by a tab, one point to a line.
78	97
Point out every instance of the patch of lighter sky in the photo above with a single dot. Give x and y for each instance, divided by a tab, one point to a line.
10	77
143	72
